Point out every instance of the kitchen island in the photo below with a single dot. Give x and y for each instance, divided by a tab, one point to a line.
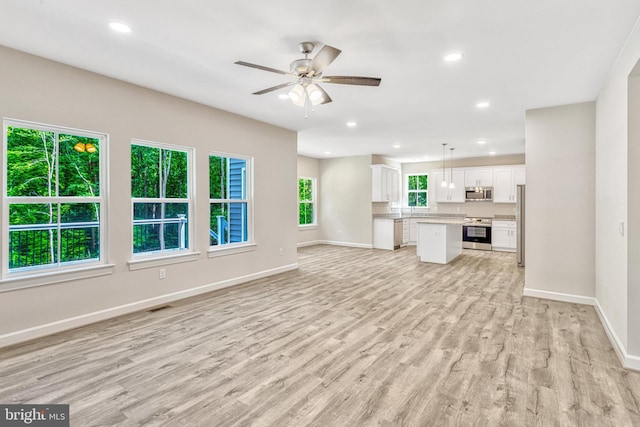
439	240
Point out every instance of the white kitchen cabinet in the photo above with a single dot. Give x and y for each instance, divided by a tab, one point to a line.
405	232
478	177
503	236
505	181
385	184
413	231
383	233
448	194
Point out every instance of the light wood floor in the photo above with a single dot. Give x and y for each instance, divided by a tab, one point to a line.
354	337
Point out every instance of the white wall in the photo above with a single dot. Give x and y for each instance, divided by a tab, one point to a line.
614	159
346	199
310	168
43	91
560	202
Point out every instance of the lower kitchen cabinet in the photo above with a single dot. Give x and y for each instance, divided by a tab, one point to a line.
503	236
413	231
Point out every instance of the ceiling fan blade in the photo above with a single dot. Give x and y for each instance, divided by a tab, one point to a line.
351	80
323	58
271	89
262	67
325	96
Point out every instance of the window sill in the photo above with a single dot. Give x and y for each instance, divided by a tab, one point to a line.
308	227
231	250
158	261
50	278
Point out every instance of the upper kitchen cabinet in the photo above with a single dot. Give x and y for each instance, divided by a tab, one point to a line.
478	177
448	194
505	181
385	184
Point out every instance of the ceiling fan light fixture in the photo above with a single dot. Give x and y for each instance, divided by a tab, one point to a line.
297	95
315	94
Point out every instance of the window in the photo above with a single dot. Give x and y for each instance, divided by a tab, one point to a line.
161	197
417	190
229	200
306	201
54	198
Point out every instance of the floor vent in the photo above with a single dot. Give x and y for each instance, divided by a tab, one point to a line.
163	307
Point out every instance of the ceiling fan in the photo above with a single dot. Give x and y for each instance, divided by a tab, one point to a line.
308	74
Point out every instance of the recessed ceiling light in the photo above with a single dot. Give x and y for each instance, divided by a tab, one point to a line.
352	124
482	141
119	27
283	96
327	152
452	57
396	145
492	153
483	104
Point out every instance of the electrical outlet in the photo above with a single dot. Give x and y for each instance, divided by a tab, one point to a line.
281	251
163	273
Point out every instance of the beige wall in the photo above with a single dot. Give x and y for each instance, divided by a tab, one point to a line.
560	202
39	90
346	200
633	228
616	165
310	168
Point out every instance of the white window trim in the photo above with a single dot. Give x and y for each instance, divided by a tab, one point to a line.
314	203
240	247
157	258
416	191
71	271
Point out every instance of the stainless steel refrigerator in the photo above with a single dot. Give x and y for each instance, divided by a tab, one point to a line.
520	221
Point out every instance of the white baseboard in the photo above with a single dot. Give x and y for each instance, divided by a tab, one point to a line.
347	244
86	319
309	243
627	360
557	296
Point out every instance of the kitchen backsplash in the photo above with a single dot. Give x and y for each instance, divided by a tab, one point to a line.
477	209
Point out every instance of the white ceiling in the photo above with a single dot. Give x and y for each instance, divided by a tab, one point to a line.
518	54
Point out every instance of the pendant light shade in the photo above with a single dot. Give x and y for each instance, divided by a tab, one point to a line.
444	178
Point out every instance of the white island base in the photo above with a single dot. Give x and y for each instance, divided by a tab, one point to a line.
439	241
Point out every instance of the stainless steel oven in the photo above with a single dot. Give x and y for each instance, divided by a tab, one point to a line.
476	234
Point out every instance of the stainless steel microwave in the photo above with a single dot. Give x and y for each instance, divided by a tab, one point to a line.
478	194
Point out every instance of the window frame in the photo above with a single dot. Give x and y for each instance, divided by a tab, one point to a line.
313	202
72	270
249	244
167	256
409	191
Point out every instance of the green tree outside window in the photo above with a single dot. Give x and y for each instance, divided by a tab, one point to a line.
417	190
306	201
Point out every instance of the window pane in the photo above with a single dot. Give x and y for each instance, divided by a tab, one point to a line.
305	190
79	166
228	223
217	177
160	226
412	198
31	156
219	224
237	178
306	213
413	182
79	231
147	211
174	174
422	182
422	198
33	235
145	171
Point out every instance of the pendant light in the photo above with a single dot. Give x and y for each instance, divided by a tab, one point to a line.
451	184
444	171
